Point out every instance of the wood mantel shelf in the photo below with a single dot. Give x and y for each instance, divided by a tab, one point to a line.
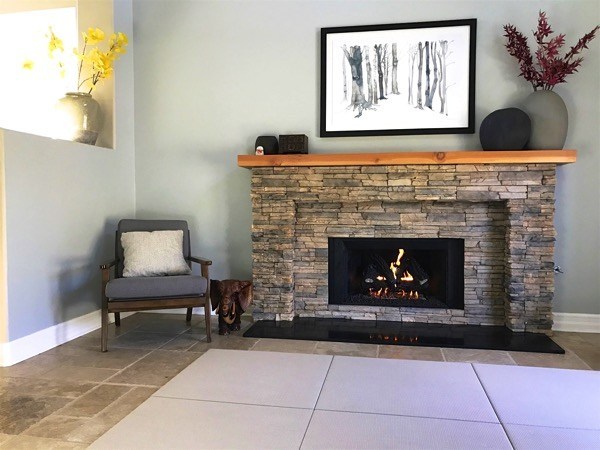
402	158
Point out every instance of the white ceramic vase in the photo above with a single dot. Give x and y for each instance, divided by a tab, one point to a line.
80	118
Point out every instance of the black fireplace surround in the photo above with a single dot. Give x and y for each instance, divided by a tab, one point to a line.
397	272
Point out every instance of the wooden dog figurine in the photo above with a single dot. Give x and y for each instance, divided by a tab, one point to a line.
230	298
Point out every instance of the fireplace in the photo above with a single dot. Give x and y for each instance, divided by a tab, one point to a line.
397	272
502	212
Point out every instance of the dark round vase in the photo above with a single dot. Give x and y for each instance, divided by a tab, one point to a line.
549	120
505	129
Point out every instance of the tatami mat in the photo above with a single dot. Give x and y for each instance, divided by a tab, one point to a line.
525	437
543	397
168	423
343	430
408	388
230	399
258	378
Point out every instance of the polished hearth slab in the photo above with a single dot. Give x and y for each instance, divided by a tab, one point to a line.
397	333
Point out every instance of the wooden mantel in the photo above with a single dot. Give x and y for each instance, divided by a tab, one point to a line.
401	158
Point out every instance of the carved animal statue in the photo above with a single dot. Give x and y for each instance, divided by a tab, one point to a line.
230	298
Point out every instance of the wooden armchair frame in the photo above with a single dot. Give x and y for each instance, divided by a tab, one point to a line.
146	304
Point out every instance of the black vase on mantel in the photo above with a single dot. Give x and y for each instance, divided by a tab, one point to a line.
505	129
549	120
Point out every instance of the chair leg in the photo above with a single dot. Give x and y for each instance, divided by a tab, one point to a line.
188	315
207	320
104	331
118	319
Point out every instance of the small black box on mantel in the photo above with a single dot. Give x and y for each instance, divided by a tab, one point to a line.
293	143
266	145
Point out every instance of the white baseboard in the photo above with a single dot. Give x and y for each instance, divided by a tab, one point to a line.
23	348
579	323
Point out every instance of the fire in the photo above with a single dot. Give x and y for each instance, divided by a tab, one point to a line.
400	255
397	288
393	268
406	276
387	293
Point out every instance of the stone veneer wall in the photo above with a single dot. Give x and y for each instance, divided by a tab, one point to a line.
504	213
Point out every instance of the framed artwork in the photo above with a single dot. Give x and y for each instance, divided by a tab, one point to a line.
406	78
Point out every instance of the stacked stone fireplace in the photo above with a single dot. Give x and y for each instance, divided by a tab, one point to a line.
503	213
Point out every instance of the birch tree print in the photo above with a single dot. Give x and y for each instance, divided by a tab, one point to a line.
379	51
429	55
420	75
354	56
441	54
369	75
395	69
375	99
399	78
431	94
367	69
412	56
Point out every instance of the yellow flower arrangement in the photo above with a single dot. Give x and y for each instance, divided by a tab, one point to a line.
99	62
95	63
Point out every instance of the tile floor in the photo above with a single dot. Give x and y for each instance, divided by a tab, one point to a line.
310	401
71	395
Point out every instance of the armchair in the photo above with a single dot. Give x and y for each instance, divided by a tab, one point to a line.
137	293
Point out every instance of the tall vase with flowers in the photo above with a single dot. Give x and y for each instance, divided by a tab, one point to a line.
546	109
79	113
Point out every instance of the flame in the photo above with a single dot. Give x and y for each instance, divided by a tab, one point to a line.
407	276
400	254
394	265
393	268
393	293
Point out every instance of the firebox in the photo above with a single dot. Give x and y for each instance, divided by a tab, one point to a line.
397	272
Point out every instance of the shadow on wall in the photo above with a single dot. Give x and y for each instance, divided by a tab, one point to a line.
213	194
79	280
239	240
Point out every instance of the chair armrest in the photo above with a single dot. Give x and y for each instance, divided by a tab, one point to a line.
105	279
204	263
198	260
108	265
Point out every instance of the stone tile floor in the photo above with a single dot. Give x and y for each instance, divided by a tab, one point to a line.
69	396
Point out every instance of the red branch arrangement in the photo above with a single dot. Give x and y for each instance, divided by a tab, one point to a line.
550	68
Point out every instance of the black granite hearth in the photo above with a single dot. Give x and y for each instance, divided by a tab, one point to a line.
406	333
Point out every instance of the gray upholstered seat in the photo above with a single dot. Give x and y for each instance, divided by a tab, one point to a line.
148	287
121	294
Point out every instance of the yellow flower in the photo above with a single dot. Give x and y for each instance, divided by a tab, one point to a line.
122	39
118	42
93	36
54	43
94	63
101	62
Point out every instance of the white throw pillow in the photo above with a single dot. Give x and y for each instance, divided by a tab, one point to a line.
153	253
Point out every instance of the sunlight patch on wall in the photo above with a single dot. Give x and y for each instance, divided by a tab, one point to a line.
28	96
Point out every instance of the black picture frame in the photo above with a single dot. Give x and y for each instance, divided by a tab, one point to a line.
349	54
